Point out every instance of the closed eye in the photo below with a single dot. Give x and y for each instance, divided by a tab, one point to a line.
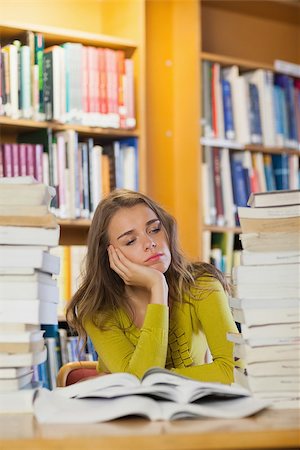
130	242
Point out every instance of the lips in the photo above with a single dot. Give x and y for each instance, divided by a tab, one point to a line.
155	257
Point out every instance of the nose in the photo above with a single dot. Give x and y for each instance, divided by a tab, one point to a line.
149	244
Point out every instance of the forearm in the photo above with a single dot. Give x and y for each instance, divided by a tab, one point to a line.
152	344
220	371
139	351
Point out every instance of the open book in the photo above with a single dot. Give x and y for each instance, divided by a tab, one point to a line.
160	395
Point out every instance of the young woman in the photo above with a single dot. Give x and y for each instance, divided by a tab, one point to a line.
142	303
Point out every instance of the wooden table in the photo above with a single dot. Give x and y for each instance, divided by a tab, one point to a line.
269	429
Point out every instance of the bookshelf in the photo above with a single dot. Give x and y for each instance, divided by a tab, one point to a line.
75	231
251	35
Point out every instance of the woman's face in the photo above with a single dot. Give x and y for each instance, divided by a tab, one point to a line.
139	234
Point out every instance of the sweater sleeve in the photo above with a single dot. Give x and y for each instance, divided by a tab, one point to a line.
119	354
216	320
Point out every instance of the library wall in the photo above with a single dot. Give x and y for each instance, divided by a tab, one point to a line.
78	14
258	31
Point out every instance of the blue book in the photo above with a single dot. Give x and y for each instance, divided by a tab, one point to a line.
254	115
279	114
287	84
239	186
43	375
228	110
269	173
281	171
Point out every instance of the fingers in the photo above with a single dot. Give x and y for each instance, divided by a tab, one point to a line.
116	264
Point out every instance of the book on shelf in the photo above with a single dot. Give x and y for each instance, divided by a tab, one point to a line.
121	394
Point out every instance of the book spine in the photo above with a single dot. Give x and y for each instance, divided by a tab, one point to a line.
15	160
7	160
48	84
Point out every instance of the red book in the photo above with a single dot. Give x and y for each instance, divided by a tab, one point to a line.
22	159
15	160
7	160
120	55
102	81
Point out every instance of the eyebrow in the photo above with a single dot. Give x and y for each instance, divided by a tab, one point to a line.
150	222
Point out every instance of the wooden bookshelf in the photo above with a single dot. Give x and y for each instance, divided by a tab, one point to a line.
9	126
248	34
99	34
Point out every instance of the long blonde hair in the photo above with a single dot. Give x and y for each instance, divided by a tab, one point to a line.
102	290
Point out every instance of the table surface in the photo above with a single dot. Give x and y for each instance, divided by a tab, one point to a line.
272	429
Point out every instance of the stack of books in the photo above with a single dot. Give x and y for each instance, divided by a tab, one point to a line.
28	293
266	298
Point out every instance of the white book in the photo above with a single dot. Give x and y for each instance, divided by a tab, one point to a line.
30	194
29	236
278	368
227	192
285	330
249	258
26	103
29	291
266	290
22	359
267	383
34	276
16	402
21	342
14	384
269	303
274	198
260	316
28	311
259	341
270	242
240	103
14	372
121	394
29	256
264	274
274	212
96	181
266	353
